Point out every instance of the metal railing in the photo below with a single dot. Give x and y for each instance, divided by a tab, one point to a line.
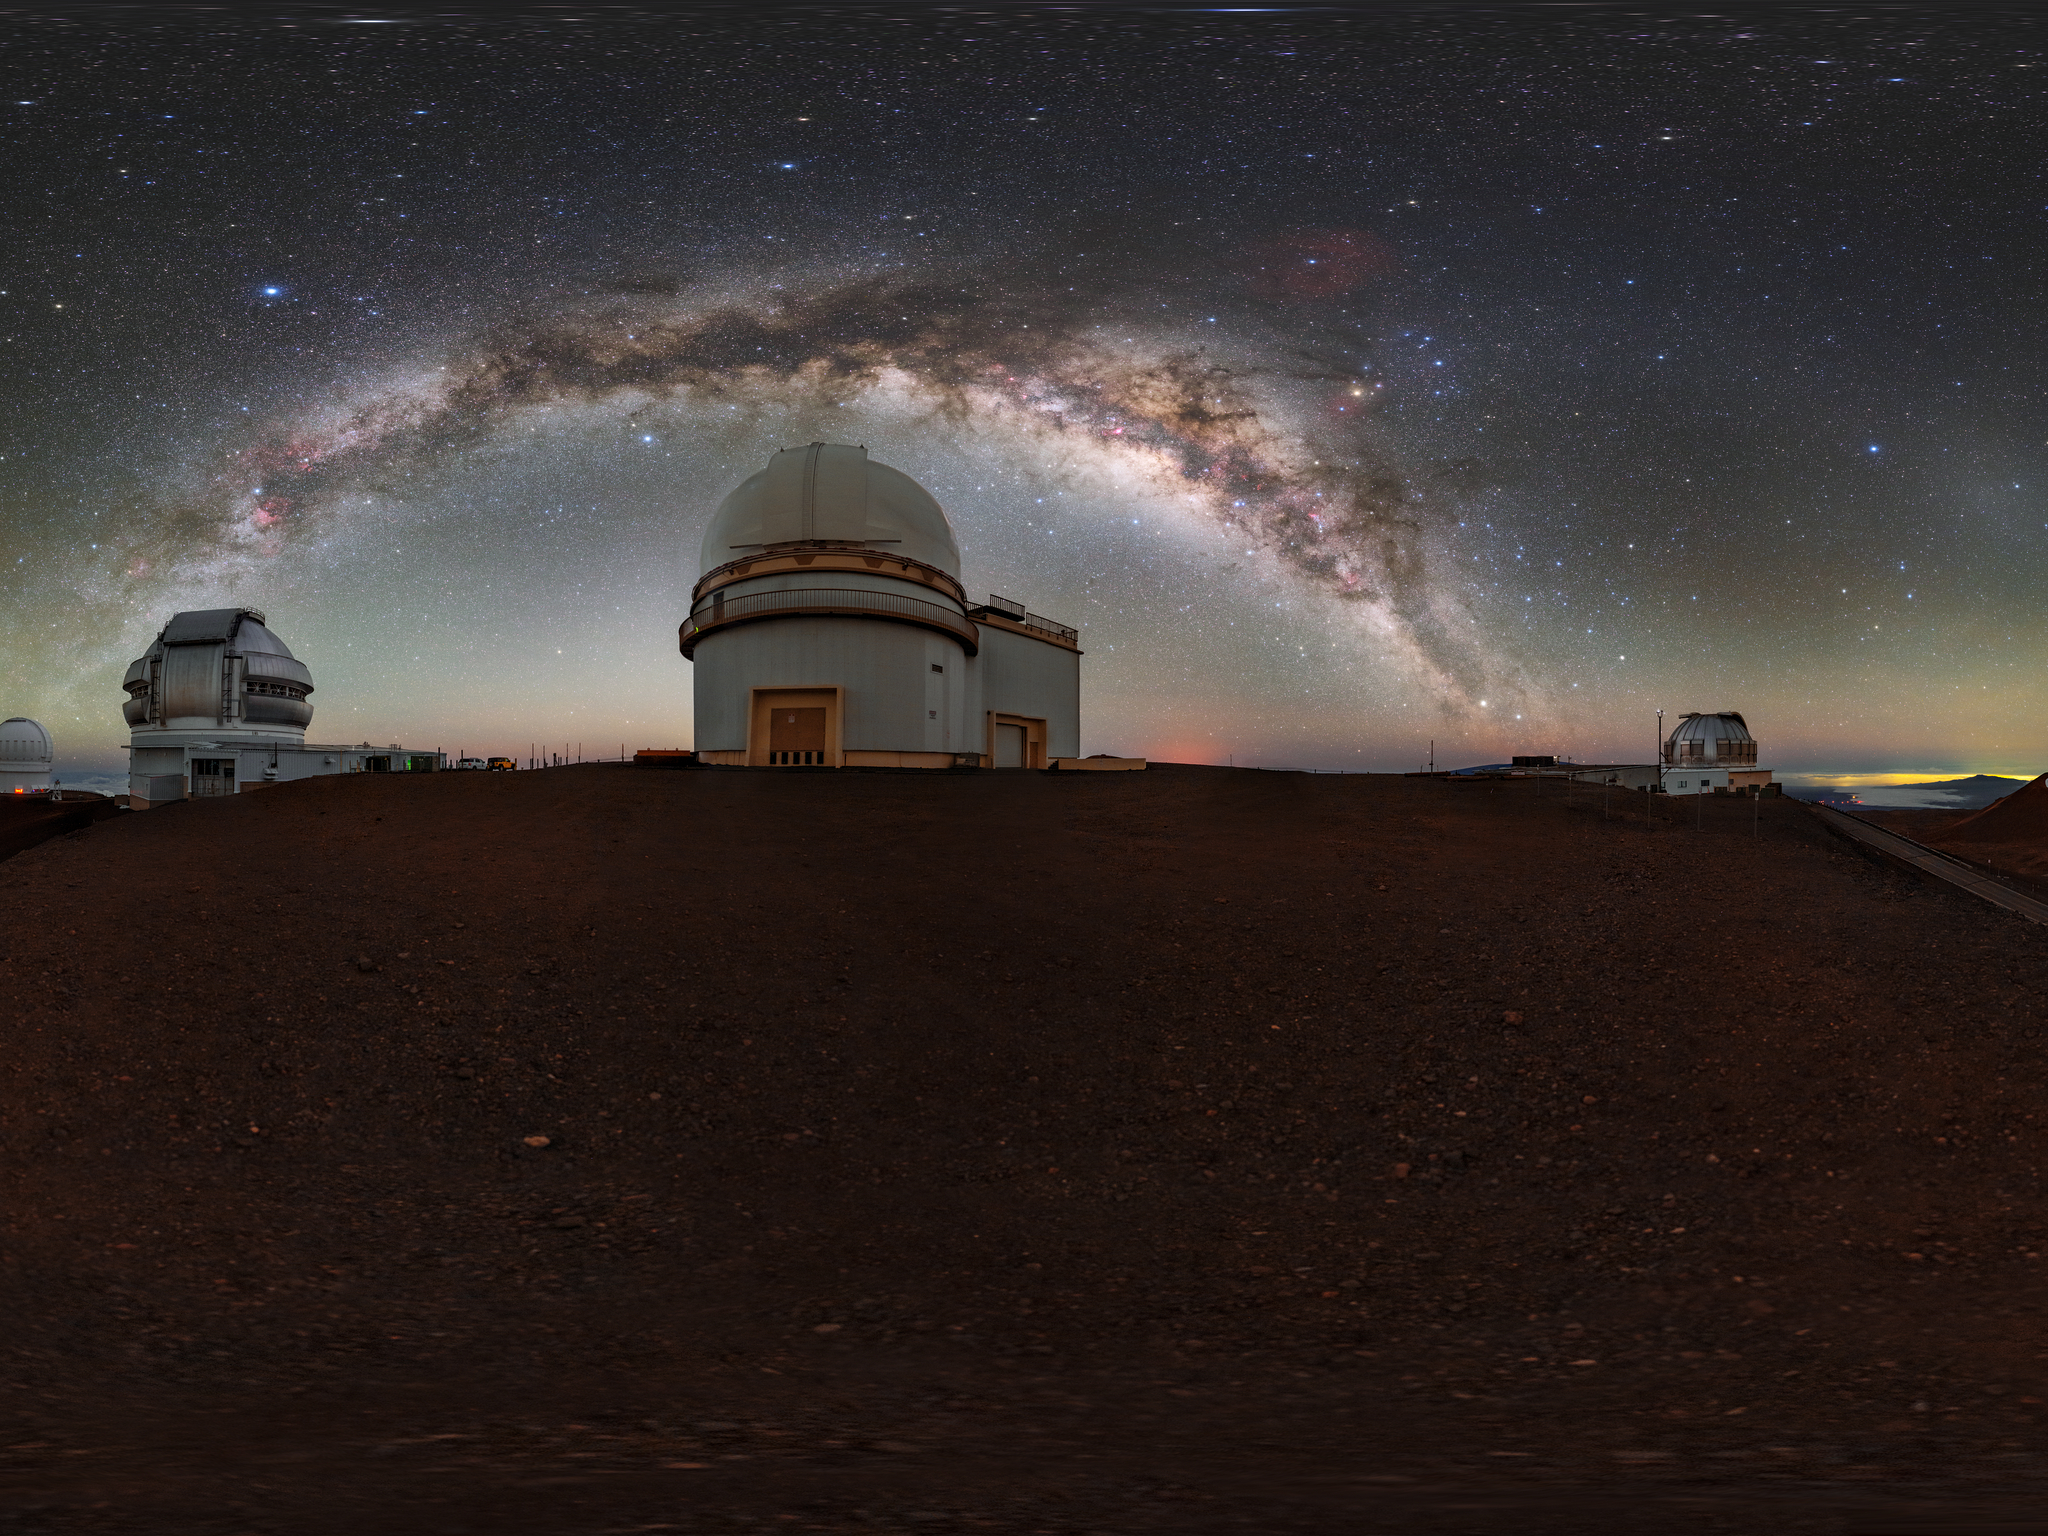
1017	614
722	608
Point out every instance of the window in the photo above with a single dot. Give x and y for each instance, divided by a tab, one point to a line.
937	668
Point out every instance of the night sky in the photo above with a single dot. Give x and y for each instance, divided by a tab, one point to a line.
1349	378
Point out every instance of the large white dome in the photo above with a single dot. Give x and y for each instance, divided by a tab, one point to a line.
25	757
835	492
24	745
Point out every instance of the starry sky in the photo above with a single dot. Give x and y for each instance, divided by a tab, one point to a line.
1352	378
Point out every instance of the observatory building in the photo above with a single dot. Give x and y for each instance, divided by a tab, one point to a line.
218	704
1711	752
26	757
829	629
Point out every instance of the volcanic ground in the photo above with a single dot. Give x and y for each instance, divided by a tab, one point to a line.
1196	1150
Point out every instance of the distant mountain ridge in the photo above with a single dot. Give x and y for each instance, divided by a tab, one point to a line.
1971	794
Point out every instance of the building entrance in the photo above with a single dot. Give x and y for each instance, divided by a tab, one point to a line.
213	776
796	737
1009	746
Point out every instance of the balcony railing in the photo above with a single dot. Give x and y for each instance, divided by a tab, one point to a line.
1016	614
720	609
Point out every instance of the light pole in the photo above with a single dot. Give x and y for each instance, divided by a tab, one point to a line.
1656	767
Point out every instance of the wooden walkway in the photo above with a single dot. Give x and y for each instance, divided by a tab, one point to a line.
1937	866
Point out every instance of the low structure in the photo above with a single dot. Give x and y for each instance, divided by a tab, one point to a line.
218	705
829	629
27	757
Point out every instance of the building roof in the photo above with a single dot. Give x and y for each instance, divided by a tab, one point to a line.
215	626
1725	725
834	492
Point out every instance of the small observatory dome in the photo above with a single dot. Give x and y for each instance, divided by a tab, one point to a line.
1717	740
217	668
836	493
26	757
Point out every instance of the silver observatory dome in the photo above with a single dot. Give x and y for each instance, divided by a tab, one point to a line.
219	668
1719	740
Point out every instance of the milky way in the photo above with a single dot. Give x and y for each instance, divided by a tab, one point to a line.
1351	378
1347	529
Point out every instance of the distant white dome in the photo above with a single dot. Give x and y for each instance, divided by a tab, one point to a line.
1722	738
830	491
26	756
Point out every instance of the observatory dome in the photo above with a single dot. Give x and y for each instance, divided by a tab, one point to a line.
218	667
832	492
26	757
1716	740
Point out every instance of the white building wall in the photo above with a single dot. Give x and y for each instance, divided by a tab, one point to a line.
1035	679
891	692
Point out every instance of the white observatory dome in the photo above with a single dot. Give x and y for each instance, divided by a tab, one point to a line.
836	493
1717	740
26	757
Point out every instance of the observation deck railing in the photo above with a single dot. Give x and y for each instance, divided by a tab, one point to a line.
1016	614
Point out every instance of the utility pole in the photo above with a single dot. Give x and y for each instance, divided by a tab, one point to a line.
1656	770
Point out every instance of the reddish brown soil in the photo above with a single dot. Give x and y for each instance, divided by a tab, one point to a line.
2006	838
1921	824
2020	817
1015	1153
27	820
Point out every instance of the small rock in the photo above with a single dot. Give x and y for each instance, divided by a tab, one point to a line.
365	963
537	1141
1402	1170
828	1327
465	1072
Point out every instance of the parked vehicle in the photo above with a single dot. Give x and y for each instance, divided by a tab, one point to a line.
500	765
470	764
